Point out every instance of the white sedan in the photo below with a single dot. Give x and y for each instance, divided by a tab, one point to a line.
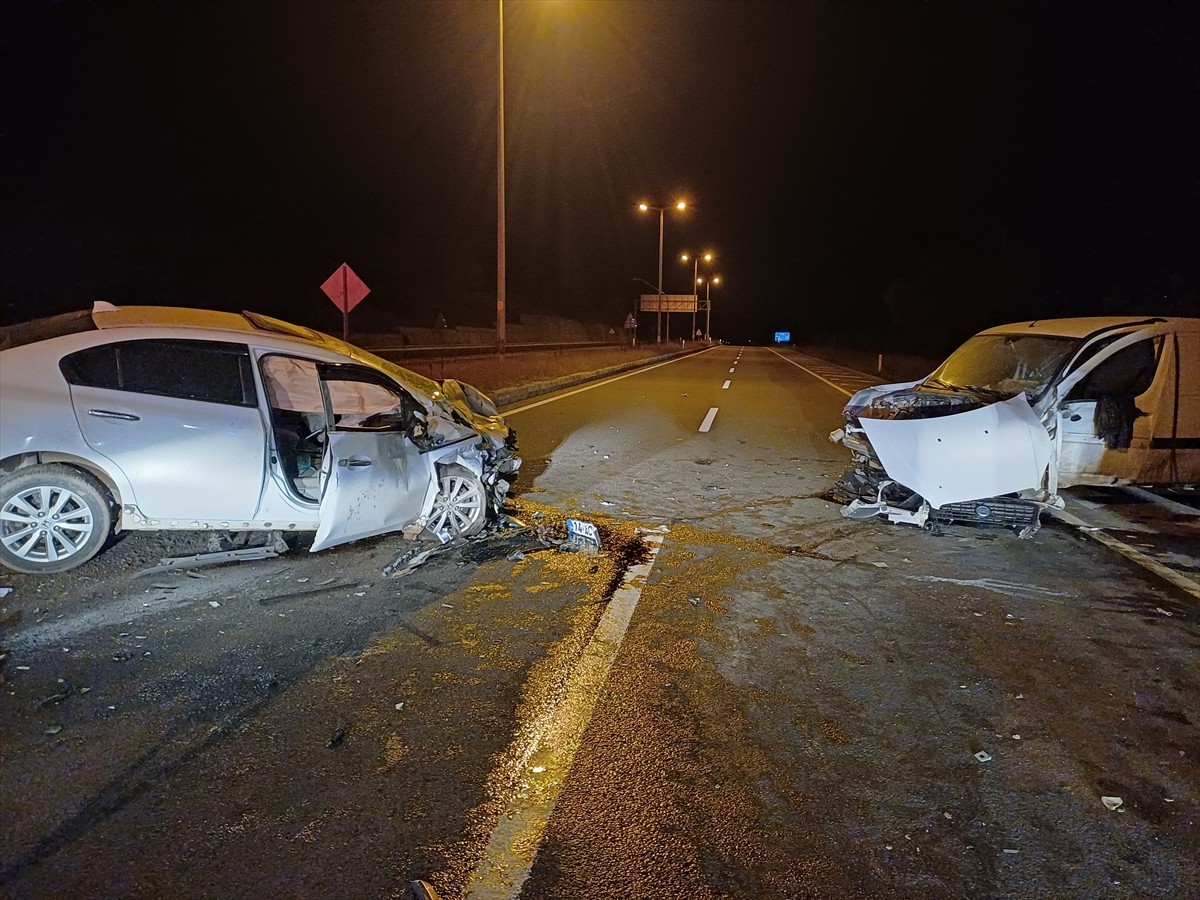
152	418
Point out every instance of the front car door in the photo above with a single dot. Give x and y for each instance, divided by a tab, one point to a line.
374	479
1114	394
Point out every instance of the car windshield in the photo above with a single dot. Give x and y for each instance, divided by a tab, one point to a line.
1006	364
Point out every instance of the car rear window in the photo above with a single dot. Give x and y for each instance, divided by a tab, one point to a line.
210	371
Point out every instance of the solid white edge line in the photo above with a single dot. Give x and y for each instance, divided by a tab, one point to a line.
595	384
708	420
1130	553
841	390
1174	506
725	386
543	752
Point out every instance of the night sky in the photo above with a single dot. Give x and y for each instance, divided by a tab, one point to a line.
887	172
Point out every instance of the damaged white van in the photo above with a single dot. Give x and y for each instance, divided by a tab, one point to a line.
1021	411
155	418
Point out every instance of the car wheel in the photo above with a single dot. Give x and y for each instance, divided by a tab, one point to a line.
460	509
52	518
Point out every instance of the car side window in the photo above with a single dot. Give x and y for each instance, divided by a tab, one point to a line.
362	399
209	371
1128	372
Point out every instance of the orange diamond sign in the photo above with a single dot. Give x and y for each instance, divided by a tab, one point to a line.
345	288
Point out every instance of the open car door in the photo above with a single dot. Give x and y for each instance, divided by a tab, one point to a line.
1110	400
374	479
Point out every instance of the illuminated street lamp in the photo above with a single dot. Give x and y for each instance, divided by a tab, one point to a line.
715	279
661	210
695	260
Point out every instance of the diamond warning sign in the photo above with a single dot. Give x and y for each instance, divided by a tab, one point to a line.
345	288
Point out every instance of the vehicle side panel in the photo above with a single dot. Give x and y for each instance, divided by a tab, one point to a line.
374	482
188	460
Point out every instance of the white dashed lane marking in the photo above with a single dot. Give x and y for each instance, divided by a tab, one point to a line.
708	420
725	386
730	368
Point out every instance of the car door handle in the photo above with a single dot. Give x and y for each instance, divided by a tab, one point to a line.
109	414
354	462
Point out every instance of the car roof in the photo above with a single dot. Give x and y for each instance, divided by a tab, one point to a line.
162	320
105	316
1084	326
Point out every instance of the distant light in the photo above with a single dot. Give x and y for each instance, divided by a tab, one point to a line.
643	207
681	205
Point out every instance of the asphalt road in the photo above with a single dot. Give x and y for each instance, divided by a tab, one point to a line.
742	695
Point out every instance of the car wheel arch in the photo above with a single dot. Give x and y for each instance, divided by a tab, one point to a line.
12	464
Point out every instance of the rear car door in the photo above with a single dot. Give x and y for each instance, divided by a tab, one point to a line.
180	418
374	479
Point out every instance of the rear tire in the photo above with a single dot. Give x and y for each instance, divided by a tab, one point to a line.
52	518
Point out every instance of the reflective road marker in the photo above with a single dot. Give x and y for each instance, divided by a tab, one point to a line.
543	750
708	420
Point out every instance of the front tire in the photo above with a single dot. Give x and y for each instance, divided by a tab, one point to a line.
460	509
52	518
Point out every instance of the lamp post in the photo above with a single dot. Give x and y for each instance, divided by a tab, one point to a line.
715	279
645	207
500	310
695	259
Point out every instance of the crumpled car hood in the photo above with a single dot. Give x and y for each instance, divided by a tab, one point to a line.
909	401
996	449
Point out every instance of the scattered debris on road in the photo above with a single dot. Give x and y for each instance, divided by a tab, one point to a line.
277	547
584	534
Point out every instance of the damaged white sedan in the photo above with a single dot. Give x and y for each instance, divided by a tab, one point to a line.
1021	411
154	418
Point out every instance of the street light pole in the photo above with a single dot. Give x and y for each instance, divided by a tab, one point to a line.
658	316
716	279
501	330
708	257
645	207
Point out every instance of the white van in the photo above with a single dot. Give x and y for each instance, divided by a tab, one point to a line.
1019	412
